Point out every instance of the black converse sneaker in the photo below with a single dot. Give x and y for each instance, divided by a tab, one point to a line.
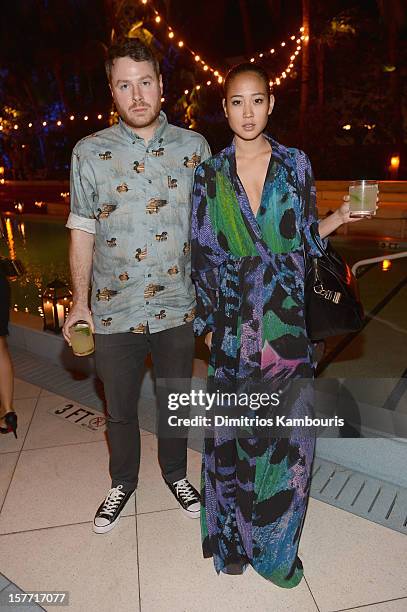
187	497
109	510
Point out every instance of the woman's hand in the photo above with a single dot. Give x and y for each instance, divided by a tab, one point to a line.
344	211
208	340
341	215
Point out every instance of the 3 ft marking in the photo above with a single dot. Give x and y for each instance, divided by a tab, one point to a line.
83	417
75	412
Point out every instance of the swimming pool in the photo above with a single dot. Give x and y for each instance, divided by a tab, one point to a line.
42	245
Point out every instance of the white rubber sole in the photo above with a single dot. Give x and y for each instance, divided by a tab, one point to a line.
110	526
106	528
192	515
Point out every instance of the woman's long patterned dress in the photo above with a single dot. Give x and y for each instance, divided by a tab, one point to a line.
249	276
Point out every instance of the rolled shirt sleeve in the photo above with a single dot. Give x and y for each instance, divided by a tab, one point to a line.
82	194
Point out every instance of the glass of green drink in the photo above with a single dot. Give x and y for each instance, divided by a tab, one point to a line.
81	339
363	197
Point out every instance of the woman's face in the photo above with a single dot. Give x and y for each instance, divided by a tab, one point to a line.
247	105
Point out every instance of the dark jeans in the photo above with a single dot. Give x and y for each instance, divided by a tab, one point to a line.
120	366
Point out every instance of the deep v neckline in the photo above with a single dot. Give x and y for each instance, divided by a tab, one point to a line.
242	188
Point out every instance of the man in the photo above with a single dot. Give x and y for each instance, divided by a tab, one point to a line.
129	221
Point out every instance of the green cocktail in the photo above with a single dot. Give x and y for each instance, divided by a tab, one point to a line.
363	198
81	339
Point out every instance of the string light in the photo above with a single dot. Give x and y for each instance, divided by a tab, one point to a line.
207	68
181	44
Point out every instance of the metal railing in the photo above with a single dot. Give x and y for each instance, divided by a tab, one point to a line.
366	262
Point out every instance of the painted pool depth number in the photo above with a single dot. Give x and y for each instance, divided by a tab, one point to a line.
74	413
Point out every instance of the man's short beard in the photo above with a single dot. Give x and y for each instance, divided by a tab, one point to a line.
132	122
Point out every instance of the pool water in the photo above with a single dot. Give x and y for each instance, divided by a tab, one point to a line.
42	245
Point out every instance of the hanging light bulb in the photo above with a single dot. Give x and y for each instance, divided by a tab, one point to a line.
158	19
170	34
181	43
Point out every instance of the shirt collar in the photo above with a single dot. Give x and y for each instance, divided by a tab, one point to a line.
158	134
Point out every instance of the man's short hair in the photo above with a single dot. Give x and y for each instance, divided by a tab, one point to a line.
133	48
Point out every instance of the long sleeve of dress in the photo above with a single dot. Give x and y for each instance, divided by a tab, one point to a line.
309	202
206	253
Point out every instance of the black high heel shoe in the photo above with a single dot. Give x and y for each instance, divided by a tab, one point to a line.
11	422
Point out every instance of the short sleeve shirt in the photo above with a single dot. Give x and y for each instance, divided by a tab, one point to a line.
135	198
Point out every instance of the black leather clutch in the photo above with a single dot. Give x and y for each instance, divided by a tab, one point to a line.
332	303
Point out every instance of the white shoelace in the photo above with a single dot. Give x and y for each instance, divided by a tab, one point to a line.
112	500
185	490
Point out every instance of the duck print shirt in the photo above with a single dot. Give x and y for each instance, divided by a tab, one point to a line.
135	198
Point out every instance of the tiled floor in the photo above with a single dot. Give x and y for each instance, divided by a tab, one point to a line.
53	478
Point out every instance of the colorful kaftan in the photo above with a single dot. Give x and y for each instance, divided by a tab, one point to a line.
249	277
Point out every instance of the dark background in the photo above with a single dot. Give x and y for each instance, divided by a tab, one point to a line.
51	66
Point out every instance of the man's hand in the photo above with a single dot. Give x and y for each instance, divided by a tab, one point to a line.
208	340
79	312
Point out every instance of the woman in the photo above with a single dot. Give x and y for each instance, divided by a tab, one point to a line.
253	207
8	418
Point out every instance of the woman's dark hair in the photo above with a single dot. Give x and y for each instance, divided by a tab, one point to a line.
133	48
241	69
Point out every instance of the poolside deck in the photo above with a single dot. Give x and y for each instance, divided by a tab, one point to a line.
51	482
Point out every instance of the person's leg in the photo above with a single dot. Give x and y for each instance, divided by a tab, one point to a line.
120	365
6	366
172	352
7	380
